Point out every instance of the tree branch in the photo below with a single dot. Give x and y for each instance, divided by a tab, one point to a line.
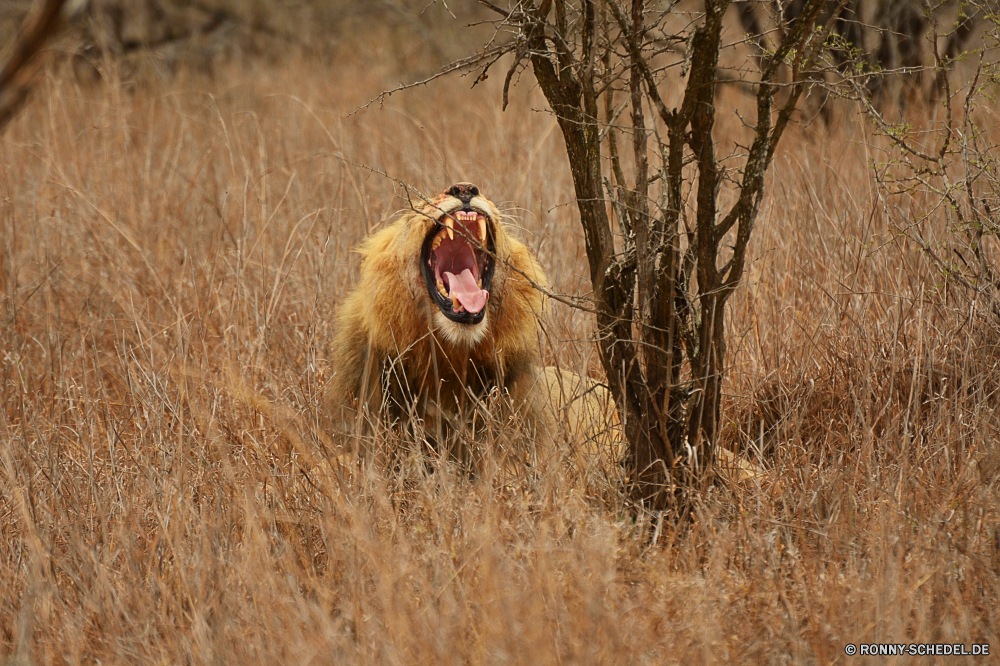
18	73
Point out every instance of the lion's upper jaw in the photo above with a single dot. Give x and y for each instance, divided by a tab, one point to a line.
444	204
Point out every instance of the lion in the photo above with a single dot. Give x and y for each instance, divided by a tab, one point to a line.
444	319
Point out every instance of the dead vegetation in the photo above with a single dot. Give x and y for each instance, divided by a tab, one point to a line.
170	490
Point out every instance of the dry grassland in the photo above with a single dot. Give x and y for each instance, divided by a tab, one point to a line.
170	491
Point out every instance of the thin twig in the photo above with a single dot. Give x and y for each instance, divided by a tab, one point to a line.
492	54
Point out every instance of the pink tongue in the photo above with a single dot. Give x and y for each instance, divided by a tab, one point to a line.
463	287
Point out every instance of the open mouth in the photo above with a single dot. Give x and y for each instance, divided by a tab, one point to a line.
457	265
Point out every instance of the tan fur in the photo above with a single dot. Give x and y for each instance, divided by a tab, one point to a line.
394	352
580	412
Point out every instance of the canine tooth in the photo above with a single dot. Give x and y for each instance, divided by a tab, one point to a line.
455	305
482	229
450	226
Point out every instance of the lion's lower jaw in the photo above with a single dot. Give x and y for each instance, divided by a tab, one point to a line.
461	335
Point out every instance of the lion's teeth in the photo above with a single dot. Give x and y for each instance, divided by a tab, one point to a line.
436	242
479	283
441	289
450	226
482	229
455	305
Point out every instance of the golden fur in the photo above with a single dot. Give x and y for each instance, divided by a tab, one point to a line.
579	412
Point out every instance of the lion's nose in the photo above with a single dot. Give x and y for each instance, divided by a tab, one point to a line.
463	191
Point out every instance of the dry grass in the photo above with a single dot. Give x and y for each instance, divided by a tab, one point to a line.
169	493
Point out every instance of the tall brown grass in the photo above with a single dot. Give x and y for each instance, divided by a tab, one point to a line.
171	492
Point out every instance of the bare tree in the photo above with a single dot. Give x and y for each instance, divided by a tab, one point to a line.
940	180
664	257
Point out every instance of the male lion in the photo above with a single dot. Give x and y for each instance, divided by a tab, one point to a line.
444	319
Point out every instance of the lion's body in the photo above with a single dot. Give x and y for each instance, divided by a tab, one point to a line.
394	354
580	412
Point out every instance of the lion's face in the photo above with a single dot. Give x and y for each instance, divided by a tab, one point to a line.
458	260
